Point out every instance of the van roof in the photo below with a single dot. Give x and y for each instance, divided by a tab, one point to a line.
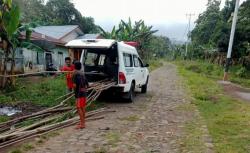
90	43
127	48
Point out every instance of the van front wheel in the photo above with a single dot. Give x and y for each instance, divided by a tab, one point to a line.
144	88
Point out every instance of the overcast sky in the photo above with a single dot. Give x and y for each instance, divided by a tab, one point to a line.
168	16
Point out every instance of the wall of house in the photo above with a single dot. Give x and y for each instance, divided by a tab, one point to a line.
33	60
19	59
58	56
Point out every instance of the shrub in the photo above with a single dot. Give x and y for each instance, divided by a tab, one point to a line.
242	72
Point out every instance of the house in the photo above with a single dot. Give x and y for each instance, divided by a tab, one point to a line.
52	40
18	60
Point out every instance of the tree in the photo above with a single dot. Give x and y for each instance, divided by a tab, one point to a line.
55	12
32	11
206	24
213	29
63	12
160	46
242	35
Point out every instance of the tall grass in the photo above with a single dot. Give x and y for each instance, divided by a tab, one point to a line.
237	74
227	119
42	94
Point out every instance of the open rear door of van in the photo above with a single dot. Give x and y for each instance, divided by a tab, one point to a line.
90	43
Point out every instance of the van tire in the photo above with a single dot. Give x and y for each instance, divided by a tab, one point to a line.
144	87
131	93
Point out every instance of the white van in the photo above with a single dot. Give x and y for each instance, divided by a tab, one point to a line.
106	58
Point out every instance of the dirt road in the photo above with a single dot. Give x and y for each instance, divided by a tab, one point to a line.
153	123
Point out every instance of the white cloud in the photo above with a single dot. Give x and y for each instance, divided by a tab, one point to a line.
157	11
166	13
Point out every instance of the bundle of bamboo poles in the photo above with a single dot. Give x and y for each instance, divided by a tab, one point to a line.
41	72
50	119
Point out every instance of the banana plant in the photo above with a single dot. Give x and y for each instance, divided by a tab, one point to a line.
9	21
138	32
10	30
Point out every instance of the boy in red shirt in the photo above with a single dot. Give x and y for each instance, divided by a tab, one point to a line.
68	67
81	85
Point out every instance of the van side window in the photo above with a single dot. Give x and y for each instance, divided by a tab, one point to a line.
136	61
140	62
127	60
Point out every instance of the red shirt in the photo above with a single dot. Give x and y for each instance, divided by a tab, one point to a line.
69	75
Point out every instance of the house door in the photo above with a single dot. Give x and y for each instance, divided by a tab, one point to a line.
48	59
77	54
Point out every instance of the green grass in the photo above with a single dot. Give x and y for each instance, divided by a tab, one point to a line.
131	118
3	118
27	147
227	119
192	142
154	64
42	94
193	138
113	138
16	151
216	71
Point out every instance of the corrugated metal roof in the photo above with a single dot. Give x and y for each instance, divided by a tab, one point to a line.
56	32
89	36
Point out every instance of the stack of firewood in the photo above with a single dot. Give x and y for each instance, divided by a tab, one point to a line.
51	119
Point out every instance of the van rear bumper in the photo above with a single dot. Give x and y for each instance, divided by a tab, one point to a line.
116	88
122	87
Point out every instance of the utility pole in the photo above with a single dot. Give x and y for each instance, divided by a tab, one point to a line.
188	33
229	51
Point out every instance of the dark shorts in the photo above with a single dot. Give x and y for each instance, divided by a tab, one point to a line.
81	102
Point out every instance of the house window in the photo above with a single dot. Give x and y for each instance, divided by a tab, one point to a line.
39	58
60	59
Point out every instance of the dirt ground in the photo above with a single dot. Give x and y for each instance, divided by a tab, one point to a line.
153	123
236	91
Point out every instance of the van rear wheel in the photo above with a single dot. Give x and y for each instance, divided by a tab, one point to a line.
131	93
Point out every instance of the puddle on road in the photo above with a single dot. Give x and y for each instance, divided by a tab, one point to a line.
9	111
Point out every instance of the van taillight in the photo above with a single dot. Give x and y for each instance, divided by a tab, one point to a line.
122	78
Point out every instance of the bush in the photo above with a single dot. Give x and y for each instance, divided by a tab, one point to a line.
209	68
242	72
194	68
